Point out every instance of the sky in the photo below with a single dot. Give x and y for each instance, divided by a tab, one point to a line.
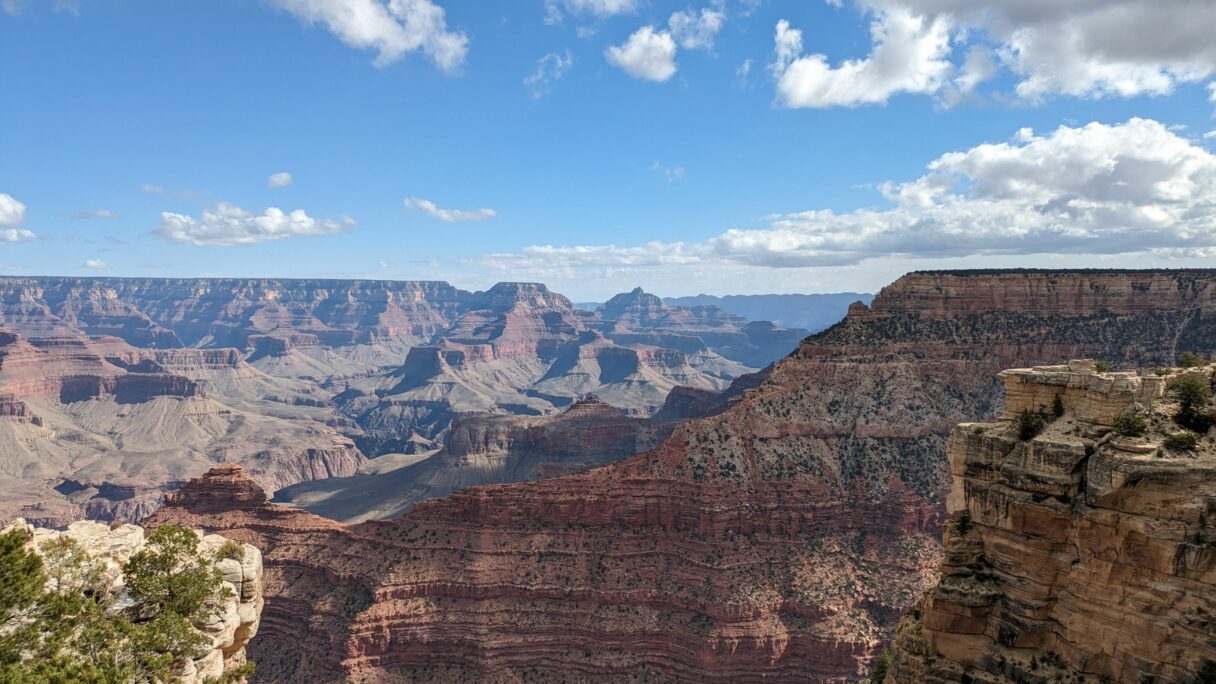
713	146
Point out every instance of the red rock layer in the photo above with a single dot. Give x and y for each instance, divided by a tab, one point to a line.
778	541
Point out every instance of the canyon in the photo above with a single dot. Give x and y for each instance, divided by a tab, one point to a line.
1080	554
115	391
779	539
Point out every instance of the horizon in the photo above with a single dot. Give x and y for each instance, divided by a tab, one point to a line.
719	147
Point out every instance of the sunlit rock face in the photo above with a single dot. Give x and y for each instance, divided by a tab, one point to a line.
779	540
1078	555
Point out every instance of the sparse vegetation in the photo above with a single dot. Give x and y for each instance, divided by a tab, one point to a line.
57	623
1190	360
1102	366
230	549
1193	397
1029	424
1182	441
882	665
1057	406
1130	425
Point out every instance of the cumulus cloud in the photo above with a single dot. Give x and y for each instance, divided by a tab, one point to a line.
12	211
910	55
392	28
1084	48
229	225
90	214
279	180
647	54
449	215
696	31
555	10
1131	188
12	214
96	265
549	70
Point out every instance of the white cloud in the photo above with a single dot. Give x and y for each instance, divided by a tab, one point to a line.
696	31
393	28
1082	48
90	214
549	70
449	215
386	264
229	225
597	8
152	189
910	55
1131	188
647	54
1209	135
96	265
279	180
670	173
744	71
12	214
12	211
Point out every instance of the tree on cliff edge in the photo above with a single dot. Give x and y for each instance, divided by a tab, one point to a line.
57	623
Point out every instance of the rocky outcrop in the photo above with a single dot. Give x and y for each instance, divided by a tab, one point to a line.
777	541
1079	554
229	624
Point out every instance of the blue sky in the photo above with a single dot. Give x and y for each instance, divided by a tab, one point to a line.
730	146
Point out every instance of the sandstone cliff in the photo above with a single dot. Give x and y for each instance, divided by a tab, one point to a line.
1078	555
777	541
229	625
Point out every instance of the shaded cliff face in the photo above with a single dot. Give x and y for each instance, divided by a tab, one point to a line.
779	540
483	449
1079	555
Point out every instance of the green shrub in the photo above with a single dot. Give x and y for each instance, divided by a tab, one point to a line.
59	628
882	665
1182	441
230	549
1193	397
1102	366
1189	360
1029	424
1057	406
1130	425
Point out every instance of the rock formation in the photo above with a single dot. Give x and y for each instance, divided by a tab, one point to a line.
483	449
115	391
1079	555
92	427
779	540
230	625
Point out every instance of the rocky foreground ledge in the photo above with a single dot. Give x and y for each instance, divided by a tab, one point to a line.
1085	553
229	626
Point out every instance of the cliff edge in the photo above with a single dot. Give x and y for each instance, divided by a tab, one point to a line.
1083	553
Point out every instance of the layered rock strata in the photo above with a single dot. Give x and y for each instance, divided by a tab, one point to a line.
777	541
1078	555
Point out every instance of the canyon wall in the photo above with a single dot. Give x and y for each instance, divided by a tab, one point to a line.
1078	555
777	541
